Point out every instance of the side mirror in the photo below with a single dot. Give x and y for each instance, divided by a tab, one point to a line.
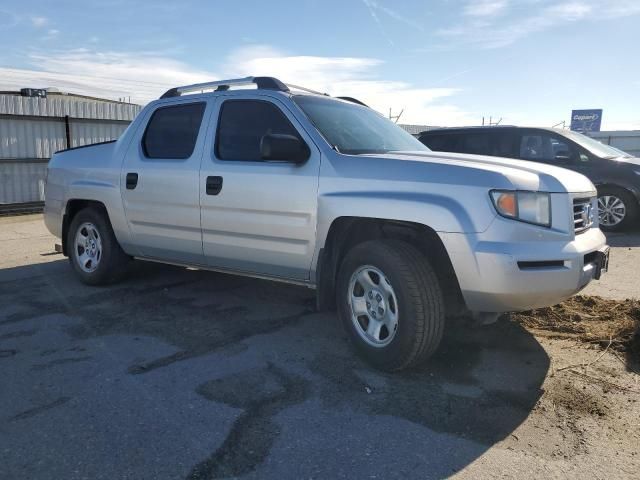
283	148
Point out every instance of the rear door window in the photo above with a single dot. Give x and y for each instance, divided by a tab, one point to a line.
439	143
172	131
503	145
495	143
475	143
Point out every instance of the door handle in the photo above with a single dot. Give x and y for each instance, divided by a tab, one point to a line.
214	185
132	181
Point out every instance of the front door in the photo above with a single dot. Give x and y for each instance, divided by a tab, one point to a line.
257	216
160	184
546	147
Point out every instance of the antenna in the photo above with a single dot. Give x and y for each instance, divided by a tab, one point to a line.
491	122
395	118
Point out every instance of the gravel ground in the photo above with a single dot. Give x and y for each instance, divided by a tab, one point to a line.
178	373
623	279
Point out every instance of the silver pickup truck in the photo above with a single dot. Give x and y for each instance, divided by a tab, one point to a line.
283	183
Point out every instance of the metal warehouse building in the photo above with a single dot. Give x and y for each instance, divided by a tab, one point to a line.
32	128
627	140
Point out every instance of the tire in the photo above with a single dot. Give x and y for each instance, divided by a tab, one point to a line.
612	202
414	299
102	261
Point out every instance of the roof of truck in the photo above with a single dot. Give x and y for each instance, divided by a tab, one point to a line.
261	83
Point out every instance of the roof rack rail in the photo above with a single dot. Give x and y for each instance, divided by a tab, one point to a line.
304	89
265	83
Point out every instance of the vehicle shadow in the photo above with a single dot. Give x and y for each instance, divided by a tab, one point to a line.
304	404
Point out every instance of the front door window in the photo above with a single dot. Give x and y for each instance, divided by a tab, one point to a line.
545	147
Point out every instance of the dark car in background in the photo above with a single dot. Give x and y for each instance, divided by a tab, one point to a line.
615	173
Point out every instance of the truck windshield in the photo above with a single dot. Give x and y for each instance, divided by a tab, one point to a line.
354	129
594	146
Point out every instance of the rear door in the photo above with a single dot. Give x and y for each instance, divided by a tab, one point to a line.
503	143
257	216
160	183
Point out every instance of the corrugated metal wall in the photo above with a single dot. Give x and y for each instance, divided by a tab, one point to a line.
88	132
22	182
62	106
33	129
28	137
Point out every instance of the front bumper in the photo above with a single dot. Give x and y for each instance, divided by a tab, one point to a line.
498	276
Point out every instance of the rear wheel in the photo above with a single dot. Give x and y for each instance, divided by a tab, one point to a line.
93	249
617	209
390	304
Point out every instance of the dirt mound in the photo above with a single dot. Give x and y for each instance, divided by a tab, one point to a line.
592	320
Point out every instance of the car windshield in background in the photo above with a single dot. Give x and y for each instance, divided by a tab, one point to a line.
594	146
354	129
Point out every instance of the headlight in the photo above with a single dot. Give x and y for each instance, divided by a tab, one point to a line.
529	207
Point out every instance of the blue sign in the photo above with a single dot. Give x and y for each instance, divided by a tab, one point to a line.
586	120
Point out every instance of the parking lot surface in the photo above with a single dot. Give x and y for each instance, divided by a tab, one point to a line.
179	373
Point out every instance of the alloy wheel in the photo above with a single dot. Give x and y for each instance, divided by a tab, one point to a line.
611	210
374	306
88	247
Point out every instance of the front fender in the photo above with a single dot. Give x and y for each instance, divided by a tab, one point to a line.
439	212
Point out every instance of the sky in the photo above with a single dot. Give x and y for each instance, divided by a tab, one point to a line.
439	62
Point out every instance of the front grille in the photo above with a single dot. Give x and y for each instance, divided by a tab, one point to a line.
583	214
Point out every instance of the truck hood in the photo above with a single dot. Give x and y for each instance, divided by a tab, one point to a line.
519	174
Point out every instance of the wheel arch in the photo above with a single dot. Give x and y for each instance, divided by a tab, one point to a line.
72	208
631	190
346	232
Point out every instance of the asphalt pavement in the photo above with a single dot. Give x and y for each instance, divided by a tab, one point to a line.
178	373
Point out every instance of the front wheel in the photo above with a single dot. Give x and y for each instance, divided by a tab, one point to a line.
93	249
390	303
617	209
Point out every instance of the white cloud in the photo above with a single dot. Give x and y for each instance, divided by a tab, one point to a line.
481	8
495	24
142	76
569	11
349	76
145	76
52	32
621	8
39	22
